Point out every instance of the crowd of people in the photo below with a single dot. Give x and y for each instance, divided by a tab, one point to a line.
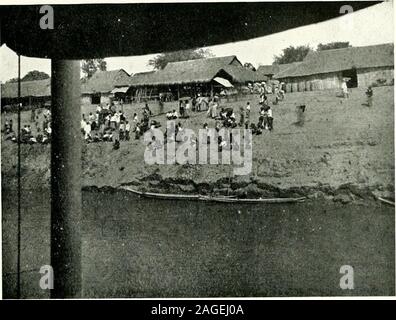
228	119
108	124
28	135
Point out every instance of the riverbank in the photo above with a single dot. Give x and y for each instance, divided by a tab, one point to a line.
344	152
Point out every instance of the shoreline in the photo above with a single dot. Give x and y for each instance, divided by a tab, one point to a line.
343	153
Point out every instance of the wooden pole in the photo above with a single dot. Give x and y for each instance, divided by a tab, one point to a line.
19	182
66	179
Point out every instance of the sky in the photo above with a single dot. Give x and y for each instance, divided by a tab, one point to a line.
373	25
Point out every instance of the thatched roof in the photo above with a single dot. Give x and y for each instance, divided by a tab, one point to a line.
241	74
335	60
142	77
105	81
270	70
185	72
38	88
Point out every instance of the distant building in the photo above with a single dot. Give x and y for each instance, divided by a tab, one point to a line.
267	72
35	93
207	76
363	66
103	86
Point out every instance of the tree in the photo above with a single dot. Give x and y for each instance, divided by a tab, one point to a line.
12	80
292	54
161	60
90	66
333	45
249	65
35	75
32	76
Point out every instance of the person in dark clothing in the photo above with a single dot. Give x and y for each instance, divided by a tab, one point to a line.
369	95
116	144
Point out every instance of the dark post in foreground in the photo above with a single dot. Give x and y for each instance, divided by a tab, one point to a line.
66	179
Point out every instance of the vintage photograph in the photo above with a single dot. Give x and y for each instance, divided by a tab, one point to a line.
197	150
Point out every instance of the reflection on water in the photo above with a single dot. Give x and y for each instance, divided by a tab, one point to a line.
134	247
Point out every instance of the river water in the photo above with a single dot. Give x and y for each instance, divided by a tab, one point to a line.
135	247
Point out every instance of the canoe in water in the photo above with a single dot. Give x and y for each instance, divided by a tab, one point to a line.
224	199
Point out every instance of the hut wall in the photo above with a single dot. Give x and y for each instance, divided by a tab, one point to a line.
105	98
308	85
86	99
320	82
301	85
294	86
288	87
368	76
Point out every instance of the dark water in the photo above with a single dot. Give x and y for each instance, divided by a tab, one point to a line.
136	247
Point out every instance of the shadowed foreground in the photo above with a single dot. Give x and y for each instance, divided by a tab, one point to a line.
144	248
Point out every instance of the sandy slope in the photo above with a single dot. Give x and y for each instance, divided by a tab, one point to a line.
341	143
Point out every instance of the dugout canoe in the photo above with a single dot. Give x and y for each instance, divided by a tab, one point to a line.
223	199
392	203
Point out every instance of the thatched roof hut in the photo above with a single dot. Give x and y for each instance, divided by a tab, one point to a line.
105	81
241	74
194	72
141	78
37	88
329	61
266	72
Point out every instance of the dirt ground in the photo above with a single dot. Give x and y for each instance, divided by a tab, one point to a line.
341	143
343	153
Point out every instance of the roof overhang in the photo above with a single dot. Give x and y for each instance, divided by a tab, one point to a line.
120	90
107	30
224	82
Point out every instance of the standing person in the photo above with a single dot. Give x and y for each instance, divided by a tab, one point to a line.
33	115
193	103
91	119
188	106
210	107
146	107
6	126
122	130
135	121
300	112
263	98
214	108
344	88
82	124
241	116
112	108
113	121
282	89
127	130
182	107
248	110
369	95
199	102
161	103
122	105
270	119
118	119
87	131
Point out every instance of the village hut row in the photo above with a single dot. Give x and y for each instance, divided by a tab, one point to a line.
186	78
362	66
359	66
